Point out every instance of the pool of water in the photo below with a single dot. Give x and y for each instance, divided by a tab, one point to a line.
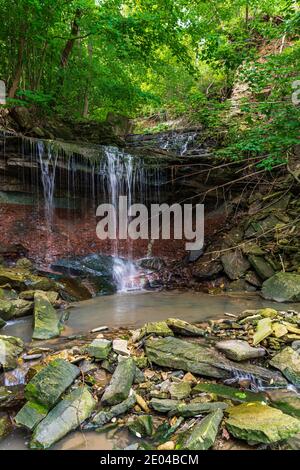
135	309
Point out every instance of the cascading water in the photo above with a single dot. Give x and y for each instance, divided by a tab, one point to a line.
178	142
48	161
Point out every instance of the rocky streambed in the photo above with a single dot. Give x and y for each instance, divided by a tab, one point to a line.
224	384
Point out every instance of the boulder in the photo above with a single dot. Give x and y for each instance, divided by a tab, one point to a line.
177	354
70	413
2	323
10	348
288	362
30	415
99	348
260	423
228	393
261	266
103	417
121	382
238	350
282	287
46	320
47	386
204	434
184	328
235	264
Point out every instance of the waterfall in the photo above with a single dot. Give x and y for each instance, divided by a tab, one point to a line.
48	161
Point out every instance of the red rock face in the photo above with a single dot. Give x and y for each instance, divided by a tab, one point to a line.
73	234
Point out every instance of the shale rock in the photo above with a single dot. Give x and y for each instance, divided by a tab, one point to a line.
261	267
229	393
235	264
238	350
260	423
286	400
204	434
99	348
10	309
103	417
183	328
5	426
10	348
283	287
31	415
46	320
180	390
182	355
121	382
288	362
73	410
50	383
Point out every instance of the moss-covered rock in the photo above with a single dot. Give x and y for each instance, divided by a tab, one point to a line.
288	362
177	354
260	423
261	267
51	382
283	287
103	417
30	415
5	425
204	434
287	401
228	393
235	264
73	410
99	348
10	348
10	309
180	390
2	323
183	328
46	320
121	382
22	279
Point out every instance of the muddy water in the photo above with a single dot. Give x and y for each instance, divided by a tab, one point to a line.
132	310
135	309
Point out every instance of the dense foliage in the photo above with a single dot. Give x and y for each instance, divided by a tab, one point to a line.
164	58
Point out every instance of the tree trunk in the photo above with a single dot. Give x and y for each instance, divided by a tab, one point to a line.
86	95
19	69
70	43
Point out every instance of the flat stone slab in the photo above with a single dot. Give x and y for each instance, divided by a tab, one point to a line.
120	346
103	417
121	382
99	348
50	383
184	328
288	362
229	393
204	434
238	350
30	415
260	423
178	354
67	415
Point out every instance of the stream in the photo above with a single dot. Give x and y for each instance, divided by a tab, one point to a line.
131	310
